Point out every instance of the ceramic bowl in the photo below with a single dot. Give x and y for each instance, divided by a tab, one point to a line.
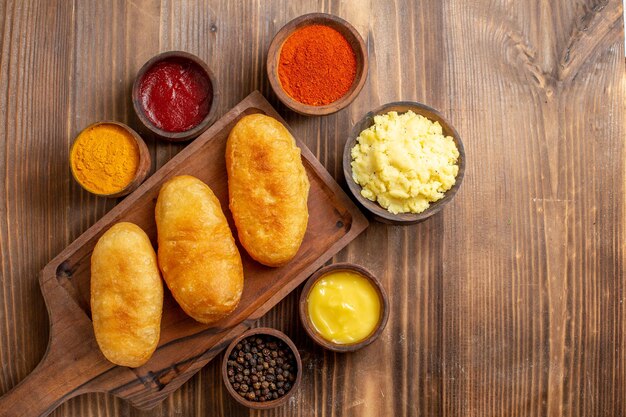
142	169
176	56
264	331
308	325
348	32
378	212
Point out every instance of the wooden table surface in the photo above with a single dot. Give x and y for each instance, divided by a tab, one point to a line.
510	302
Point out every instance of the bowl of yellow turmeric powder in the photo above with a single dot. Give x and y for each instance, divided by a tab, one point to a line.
109	159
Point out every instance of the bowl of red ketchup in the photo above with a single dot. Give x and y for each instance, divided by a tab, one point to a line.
174	96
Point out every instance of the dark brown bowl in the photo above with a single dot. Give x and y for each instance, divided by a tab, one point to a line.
267	404
163	134
310	329
379	213
142	169
348	32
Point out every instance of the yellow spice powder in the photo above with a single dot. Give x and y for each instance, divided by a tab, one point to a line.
104	158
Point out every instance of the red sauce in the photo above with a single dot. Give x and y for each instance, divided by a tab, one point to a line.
175	95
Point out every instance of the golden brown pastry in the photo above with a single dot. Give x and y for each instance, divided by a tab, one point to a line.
268	189
197	253
126	295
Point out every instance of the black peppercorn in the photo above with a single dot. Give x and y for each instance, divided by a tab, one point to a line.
261	368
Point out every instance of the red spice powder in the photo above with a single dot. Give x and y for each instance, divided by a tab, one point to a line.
317	65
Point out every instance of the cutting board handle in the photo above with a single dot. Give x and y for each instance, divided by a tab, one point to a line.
70	365
39	394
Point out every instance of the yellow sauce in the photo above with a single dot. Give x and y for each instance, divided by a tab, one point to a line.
344	307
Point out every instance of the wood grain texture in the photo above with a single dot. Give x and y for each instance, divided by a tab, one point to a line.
509	302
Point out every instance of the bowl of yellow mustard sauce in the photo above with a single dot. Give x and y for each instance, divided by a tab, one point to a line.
343	307
403	162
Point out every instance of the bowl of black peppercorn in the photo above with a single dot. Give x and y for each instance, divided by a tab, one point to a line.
262	368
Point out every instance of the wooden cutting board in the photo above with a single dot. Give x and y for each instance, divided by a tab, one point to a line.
73	364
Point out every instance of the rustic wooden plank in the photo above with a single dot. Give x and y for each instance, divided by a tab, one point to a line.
510	302
534	307
33	221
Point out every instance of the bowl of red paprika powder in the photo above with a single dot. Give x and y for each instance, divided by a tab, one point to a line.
317	64
174	96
